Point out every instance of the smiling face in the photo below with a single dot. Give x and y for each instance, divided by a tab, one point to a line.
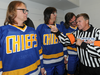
82	23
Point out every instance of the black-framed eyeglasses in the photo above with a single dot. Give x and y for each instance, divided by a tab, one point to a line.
73	22
24	10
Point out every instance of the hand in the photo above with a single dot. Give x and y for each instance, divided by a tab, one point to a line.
79	42
43	71
65	60
53	28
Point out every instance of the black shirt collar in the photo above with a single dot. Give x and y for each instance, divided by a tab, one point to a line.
90	29
22	26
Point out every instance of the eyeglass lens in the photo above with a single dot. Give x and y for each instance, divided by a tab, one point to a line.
24	10
73	21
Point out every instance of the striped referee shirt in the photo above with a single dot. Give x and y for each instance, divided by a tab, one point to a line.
88	54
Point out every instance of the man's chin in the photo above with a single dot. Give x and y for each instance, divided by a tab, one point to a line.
79	29
25	19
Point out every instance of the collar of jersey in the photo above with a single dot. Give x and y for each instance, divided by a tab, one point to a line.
22	29
73	27
54	25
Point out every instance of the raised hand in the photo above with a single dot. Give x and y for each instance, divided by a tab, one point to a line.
79	42
53	28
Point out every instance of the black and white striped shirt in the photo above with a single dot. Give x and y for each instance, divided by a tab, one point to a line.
88	54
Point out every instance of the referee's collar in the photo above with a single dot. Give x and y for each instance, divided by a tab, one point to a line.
90	29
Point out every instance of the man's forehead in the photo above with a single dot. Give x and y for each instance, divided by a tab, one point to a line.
74	18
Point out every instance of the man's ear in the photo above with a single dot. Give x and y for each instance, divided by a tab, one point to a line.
87	21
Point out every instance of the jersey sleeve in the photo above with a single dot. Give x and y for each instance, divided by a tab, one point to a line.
40	49
1	67
60	27
66	40
65	51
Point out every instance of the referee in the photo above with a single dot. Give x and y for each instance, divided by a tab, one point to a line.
88	53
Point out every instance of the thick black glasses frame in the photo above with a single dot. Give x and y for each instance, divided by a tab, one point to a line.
24	10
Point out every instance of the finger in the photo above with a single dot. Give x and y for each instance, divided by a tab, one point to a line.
45	72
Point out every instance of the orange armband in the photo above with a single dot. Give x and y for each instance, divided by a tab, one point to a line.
96	43
72	38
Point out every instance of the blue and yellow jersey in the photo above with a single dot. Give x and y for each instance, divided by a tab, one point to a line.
20	50
52	48
71	49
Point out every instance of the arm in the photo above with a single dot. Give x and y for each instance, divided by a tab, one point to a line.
65	55
93	50
43	71
1	67
41	59
65	40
